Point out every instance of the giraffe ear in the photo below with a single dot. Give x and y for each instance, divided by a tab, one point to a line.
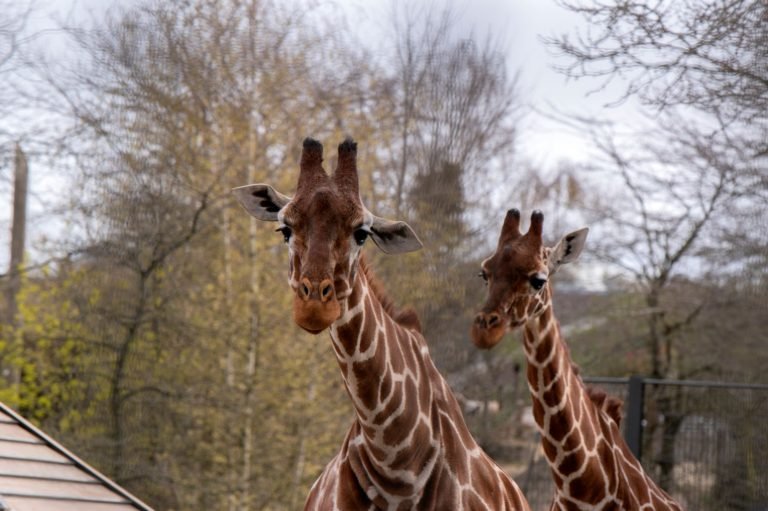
261	201
567	249
394	237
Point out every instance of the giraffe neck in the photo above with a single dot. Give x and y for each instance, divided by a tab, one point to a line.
387	373
592	466
572	428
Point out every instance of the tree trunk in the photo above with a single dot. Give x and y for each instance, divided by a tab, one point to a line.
117	385
670	408
252	362
229	362
654	328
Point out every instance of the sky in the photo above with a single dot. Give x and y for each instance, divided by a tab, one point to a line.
518	24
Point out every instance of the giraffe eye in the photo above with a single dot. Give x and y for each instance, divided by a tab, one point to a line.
483	275
360	236
286	232
537	281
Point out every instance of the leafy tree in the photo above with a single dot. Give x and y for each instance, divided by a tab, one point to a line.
189	338
49	350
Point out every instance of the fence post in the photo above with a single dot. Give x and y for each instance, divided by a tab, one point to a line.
634	429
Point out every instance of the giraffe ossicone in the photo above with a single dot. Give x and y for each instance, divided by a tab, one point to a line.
592	467
408	447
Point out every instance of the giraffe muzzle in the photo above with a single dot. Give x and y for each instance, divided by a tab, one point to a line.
315	305
488	329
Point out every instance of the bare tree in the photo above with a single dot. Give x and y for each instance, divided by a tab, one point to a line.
698	63
447	97
711	55
12	36
449	112
12	26
703	67
656	198
655	226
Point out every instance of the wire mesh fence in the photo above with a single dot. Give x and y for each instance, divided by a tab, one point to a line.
706	443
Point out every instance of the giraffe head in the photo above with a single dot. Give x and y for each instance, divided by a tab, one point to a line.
518	274
325	225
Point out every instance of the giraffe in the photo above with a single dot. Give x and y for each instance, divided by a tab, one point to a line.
408	447
592	466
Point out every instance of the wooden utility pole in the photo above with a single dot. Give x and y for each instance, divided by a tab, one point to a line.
18	230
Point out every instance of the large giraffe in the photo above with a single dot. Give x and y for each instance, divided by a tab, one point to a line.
408	447
591	464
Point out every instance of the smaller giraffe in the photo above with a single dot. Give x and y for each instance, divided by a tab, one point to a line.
408	447
592	466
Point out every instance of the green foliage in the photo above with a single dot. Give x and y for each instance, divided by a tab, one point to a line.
47	351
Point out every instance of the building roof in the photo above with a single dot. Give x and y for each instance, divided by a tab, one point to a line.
38	474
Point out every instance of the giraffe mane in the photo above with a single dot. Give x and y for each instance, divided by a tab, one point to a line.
609	404
405	317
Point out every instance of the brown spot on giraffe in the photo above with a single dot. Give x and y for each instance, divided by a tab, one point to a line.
408	447
589	460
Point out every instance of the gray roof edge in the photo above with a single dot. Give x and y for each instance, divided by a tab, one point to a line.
77	461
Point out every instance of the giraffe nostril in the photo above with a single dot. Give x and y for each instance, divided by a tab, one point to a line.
305	288
480	320
326	290
493	319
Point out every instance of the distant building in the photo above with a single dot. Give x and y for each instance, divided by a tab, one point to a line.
38	474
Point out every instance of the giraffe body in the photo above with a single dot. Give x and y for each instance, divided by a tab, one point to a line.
408	447
592	467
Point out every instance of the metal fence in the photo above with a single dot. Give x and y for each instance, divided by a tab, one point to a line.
706	443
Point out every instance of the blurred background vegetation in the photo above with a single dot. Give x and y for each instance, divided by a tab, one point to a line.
146	325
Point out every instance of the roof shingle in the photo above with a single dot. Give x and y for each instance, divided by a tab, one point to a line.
38	474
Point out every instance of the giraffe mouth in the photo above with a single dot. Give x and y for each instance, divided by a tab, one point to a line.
488	333
486	336
314	316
